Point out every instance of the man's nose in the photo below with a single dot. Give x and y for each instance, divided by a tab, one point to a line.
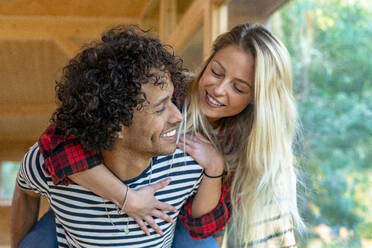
175	115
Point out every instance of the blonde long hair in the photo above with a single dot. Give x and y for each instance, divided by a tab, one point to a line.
263	189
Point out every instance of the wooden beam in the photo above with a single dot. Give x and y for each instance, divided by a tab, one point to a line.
215	23
163	19
68	46
208	28
59	26
190	21
146	9
27	109
167	18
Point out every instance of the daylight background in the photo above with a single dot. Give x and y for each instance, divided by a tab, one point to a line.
330	42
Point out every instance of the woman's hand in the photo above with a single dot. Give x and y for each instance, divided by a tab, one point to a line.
203	152
142	206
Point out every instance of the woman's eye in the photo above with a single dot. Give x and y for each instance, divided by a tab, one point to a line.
238	90
215	73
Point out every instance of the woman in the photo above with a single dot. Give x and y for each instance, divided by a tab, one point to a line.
242	100
240	111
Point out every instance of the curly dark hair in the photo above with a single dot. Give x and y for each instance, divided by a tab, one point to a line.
101	86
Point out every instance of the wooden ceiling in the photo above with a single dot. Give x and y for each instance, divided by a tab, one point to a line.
37	37
94	8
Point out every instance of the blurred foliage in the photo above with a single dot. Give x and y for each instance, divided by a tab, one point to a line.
8	174
330	43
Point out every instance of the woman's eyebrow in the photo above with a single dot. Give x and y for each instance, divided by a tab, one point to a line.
243	81
217	62
238	79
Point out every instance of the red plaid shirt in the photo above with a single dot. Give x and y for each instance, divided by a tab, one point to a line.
64	156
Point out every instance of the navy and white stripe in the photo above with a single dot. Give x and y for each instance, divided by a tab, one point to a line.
81	218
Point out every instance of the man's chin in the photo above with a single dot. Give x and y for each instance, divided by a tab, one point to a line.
167	151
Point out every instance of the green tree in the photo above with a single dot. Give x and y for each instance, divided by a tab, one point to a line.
330	44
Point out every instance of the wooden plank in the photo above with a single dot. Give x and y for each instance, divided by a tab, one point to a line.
27	110
163	19
68	46
208	28
207	12
146	9
167	18
189	22
59	26
215	23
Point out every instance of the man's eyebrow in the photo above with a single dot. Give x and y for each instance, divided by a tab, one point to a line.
238	79
161	101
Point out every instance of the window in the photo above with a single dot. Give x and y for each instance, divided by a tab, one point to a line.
8	174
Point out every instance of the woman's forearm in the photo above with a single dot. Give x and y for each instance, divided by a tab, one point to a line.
208	195
102	182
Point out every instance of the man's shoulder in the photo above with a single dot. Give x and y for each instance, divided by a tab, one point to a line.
33	158
31	176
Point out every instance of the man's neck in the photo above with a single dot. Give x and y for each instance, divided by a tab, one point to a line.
125	164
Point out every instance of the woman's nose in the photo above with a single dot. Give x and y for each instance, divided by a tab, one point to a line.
220	89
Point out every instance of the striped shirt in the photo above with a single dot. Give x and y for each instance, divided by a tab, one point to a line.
84	219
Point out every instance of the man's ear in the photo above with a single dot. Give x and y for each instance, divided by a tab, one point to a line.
121	132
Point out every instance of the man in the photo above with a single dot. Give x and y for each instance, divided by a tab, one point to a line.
115	99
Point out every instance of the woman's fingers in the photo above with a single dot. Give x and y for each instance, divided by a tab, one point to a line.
159	185
162	206
142	225
163	216
153	224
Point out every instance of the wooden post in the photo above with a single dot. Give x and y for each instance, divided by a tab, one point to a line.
163	18
215	23
167	18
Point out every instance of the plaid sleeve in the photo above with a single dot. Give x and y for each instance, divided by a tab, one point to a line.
64	156
210	223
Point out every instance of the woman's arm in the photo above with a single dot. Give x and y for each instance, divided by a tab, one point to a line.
209	191
210	209
210	223
207	196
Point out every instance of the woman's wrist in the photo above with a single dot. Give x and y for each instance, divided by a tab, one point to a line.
125	199
131	201
215	176
216	170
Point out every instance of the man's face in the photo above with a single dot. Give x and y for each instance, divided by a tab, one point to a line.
153	130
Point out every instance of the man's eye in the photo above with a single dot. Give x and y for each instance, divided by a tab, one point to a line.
160	111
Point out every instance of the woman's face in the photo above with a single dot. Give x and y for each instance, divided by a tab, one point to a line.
226	86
